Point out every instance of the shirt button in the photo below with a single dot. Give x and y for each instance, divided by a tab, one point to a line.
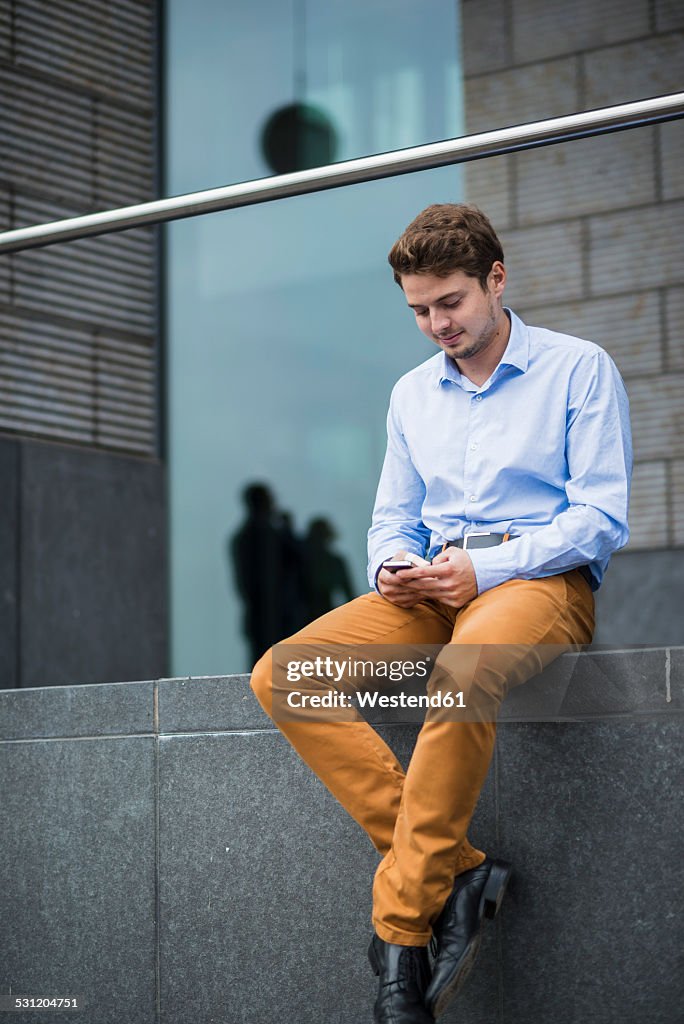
473	447
478	398
473	497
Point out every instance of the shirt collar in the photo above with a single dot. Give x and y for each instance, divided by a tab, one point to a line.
516	353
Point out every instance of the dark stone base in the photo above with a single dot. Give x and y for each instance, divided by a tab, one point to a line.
167	856
83	566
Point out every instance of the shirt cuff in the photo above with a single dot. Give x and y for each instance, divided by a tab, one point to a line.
489	572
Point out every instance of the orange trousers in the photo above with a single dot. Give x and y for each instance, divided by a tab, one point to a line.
418	819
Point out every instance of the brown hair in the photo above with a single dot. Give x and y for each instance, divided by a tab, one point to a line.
446	237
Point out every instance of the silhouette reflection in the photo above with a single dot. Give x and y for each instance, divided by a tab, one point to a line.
283	581
327	576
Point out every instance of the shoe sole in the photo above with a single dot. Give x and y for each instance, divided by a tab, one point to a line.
490	902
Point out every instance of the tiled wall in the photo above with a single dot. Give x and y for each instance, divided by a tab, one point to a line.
593	230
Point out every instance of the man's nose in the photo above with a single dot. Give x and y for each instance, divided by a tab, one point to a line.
438	321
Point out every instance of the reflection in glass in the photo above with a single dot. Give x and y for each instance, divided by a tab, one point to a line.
285	329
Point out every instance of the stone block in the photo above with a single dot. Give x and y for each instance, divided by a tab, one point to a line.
9	584
93	567
211	703
599	868
518	95
595	684
485	39
677	469
585	176
542	30
669	15
634	71
672	159
77	876
675	677
545	263
250	836
487	185
106	709
627	326
640	599
642	247
674	319
648	520
657	411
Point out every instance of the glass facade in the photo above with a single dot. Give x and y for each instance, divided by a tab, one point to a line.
286	330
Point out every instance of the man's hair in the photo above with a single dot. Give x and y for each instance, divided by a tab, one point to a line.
444	238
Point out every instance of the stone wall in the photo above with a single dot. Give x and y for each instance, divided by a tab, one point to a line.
593	232
169	858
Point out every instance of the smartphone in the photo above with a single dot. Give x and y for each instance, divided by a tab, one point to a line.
395	564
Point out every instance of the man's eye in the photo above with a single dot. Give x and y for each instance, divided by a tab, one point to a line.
452	305
420	312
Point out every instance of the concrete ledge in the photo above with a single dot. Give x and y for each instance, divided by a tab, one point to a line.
167	856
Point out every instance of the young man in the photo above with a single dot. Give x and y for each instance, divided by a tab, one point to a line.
506	485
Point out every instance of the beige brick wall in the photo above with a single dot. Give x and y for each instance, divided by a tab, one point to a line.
593	230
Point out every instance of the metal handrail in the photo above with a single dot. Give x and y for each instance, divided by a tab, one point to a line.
352	172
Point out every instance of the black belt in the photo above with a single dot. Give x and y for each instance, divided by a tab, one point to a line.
491	540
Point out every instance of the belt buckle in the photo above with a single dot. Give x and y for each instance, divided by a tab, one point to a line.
466	536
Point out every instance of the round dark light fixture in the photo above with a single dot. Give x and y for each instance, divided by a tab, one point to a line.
297	137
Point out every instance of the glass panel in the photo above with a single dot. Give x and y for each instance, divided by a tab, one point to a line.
286	331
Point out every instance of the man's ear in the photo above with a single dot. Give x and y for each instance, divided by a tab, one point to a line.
497	278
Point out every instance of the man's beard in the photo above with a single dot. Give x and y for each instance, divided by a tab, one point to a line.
484	338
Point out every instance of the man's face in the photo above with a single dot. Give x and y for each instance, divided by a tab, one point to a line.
455	311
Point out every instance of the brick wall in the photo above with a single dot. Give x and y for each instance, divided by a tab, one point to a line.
593	230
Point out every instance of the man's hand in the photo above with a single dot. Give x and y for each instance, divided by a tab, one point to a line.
450	578
393	589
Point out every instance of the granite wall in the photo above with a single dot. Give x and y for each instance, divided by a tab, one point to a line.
167	857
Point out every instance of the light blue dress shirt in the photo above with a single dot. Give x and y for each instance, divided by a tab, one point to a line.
541	450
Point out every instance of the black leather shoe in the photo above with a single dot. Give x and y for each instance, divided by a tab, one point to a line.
404	975
457	932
